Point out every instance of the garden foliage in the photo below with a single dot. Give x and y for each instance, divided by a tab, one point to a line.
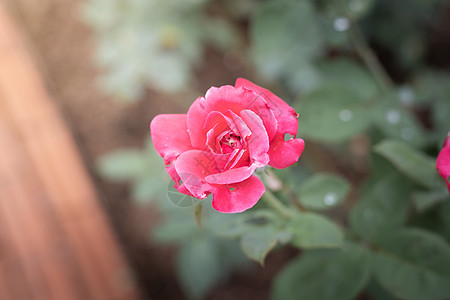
365	205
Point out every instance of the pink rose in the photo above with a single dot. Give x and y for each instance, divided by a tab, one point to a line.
443	162
225	136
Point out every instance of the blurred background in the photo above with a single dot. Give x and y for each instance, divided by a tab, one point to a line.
85	209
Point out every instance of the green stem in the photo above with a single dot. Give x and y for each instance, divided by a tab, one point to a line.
369	58
276	204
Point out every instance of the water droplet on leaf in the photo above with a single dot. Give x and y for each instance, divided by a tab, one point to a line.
330	199
393	116
341	24
345	115
406	95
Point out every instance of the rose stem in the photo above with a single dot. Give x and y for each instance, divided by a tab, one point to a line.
369	58
276	204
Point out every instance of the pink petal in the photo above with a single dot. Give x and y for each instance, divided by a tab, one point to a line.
215	118
258	142
239	160
285	114
443	165
242	130
238	197
232	175
194	165
196	117
285	153
221	100
282	153
176	178
170	136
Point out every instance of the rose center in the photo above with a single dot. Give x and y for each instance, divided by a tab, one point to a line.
230	142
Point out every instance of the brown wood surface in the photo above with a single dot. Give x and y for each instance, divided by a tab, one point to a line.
55	240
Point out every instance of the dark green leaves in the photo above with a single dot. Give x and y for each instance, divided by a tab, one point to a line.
414	264
259	242
324	275
332	114
314	231
382	207
285	40
323	191
204	260
414	164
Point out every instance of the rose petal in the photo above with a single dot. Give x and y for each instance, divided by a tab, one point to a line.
170	136
176	179
258	142
232	175
283	112
283	153
238	197
239	160
194	165
242	128
221	100
196	117
215	118
443	165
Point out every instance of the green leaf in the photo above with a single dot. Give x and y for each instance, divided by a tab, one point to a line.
331	114
414	264
311	230
382	207
350	75
395	121
324	275
176	228
353	9
147	187
414	164
377	292
238	225
424	200
283	33
204	261
323	191
258	243
123	164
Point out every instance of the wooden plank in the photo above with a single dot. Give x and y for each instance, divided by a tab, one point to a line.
60	232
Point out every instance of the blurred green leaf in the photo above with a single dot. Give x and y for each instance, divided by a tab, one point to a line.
348	74
198	267
125	164
395	121
377	292
177	227
147	187
257	243
331	114
414	264
424	200
383	206
324	275
285	38
311	230
411	162
238	225
323	191
353	9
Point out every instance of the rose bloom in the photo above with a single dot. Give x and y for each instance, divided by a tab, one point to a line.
443	162
224	137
